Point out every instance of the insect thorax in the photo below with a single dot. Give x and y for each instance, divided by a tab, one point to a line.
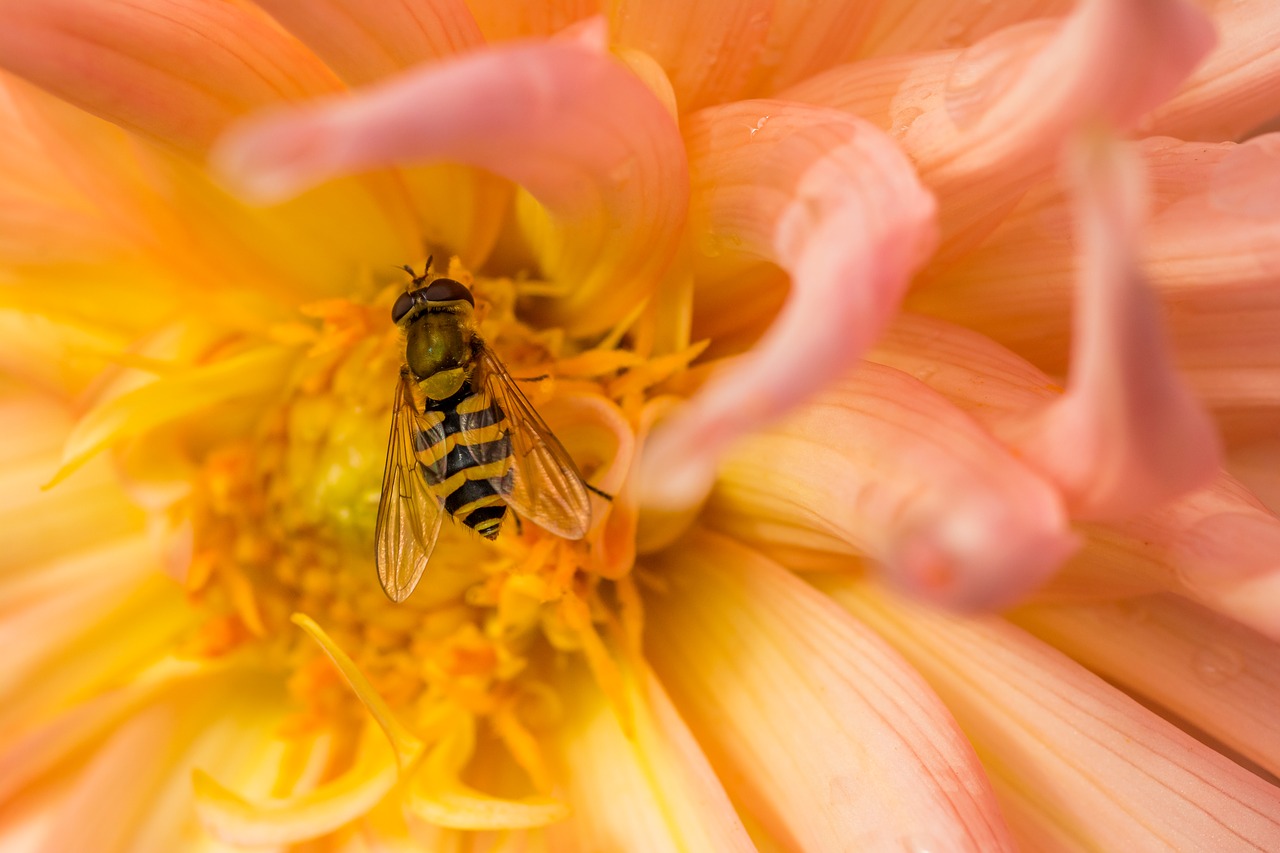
439	351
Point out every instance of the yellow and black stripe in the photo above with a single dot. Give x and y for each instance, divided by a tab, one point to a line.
464	448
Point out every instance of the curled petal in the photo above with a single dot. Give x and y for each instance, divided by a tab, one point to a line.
887	465
1035	715
588	140
366	41
834	203
1233	91
818	729
1217	675
984	123
178	71
1136	435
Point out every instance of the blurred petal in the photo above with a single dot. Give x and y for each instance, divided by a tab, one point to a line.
1137	435
1233	91
502	20
716	52
674	800
364	42
909	27
1123	778
1215	674
815	727
175	70
587	139
889	466
983	124
834	203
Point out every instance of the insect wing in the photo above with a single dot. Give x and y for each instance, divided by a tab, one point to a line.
409	513
545	486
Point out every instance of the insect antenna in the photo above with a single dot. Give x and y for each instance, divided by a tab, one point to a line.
604	495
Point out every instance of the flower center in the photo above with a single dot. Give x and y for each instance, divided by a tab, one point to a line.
284	525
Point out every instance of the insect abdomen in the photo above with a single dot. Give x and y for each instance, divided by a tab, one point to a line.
465	452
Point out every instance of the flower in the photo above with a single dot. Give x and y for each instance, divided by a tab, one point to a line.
803	283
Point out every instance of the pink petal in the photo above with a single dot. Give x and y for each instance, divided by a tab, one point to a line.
367	41
1218	676
1097	765
1233	91
985	123
586	138
887	465
819	731
1136	436
175	70
834	203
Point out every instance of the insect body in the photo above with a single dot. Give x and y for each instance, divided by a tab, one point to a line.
464	441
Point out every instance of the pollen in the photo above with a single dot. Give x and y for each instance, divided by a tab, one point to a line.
284	523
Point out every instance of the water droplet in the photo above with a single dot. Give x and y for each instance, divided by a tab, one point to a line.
903	120
759	125
1216	664
1247	181
987	70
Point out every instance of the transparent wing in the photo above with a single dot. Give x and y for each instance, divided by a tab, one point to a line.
545	486
409	513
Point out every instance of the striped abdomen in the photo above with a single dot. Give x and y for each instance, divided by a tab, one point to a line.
465	452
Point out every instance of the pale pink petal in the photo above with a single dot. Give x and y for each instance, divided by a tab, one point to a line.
909	27
586	138
175	70
364	42
889	466
984	123
1234	90
1105	770
833	202
1137	436
1218	676
674	800
816	728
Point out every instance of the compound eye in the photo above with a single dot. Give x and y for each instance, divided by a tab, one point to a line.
402	306
447	290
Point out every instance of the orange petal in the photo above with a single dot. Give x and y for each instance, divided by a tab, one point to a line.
1233	91
1099	767
814	725
890	467
1216	675
834	203
1137	435
674	801
177	71
586	138
364	42
503	20
910	27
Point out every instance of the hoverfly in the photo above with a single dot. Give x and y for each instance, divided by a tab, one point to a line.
464	441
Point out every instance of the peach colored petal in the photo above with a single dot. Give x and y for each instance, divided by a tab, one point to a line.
364	42
1257	465
1137	437
674	800
910	27
502	20
1218	676
587	139
175	70
1110	773
816	728
889	466
1233	91
308	814
834	203
985	123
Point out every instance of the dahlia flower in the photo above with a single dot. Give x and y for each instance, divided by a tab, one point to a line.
927	350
